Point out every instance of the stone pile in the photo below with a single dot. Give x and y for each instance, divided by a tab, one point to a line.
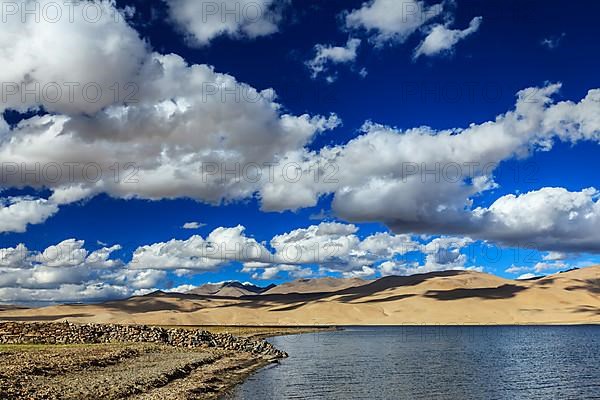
68	333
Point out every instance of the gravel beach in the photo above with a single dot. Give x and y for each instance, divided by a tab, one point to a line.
69	361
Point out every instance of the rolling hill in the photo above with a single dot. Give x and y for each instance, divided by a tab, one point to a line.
440	298
319	285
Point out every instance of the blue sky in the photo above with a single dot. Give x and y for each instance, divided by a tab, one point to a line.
365	113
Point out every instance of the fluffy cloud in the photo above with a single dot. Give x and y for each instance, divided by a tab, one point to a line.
180	129
392	20
335	247
441	254
441	39
274	272
549	218
326	55
221	247
75	63
516	269
545	266
540	267
67	266
16	213
193	225
364	273
68	272
177	142
389	268
203	20
399	176
445	254
424	181
555	256
67	293
140	279
330	246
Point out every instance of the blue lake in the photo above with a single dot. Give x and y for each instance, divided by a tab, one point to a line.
454	363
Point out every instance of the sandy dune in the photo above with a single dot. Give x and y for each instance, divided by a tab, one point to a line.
452	297
7	307
320	285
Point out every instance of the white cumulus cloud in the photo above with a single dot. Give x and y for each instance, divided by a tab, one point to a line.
441	39
204	20
193	225
327	55
73	64
392	20
16	213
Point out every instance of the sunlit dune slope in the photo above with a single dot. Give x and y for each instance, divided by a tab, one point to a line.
451	297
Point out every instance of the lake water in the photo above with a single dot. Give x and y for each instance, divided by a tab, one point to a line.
453	363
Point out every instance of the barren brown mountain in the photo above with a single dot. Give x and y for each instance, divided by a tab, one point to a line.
229	289
451	297
320	285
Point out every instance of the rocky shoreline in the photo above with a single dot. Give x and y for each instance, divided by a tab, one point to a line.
68	333
76	361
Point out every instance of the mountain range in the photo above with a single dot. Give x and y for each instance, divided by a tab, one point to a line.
229	289
238	289
439	298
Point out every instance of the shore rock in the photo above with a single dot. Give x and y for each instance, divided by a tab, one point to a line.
68	333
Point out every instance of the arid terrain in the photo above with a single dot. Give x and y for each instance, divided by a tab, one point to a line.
72	361
115	371
446	298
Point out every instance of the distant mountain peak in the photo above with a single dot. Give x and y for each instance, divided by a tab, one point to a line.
230	289
316	285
